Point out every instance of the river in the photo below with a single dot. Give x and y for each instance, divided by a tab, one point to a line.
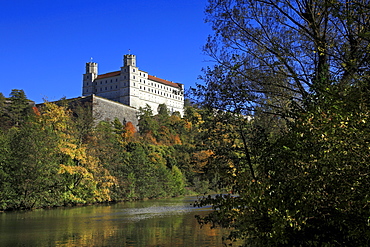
162	222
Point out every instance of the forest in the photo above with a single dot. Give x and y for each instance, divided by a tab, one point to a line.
56	155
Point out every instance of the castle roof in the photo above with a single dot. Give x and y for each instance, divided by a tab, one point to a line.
150	77
110	74
169	83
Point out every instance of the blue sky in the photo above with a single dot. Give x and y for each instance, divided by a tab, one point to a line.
45	44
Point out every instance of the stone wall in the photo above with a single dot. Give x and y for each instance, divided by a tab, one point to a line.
108	110
102	109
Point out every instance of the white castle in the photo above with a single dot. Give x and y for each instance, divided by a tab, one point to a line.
133	87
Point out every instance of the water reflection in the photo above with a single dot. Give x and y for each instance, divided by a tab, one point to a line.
167	222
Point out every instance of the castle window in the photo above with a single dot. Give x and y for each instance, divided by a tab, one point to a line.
124	77
105	81
105	88
144	88
110	87
116	79
134	77
110	80
116	86
101	82
87	83
133	70
101	89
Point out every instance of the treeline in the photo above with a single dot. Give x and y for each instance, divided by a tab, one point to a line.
56	155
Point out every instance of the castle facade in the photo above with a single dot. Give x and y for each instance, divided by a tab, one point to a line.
133	87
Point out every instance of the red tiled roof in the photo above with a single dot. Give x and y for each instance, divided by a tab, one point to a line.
111	74
150	77
169	83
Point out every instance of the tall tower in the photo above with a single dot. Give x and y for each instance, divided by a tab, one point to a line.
91	68
88	86
130	90
129	60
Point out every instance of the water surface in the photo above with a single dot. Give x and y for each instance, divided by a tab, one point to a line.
164	222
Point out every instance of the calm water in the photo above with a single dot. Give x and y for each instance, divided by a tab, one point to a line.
165	222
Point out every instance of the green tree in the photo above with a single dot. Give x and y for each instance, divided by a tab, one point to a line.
4	176
18	107
2	104
178	181
32	168
108	145
269	52
163	110
85	180
147	125
3	117
299	69
83	120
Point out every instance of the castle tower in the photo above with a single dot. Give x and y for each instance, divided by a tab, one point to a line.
91	68
129	60
130	92
88	86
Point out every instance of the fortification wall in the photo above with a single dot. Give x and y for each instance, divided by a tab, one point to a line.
107	110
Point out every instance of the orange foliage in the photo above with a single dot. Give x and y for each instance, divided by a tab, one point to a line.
149	137
130	131
176	140
130	128
200	159
36	111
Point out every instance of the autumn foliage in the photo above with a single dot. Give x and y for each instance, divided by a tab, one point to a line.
54	155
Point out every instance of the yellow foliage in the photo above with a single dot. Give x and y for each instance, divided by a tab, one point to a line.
55	116
75	170
200	159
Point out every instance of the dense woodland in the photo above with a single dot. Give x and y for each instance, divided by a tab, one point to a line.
56	154
300	169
